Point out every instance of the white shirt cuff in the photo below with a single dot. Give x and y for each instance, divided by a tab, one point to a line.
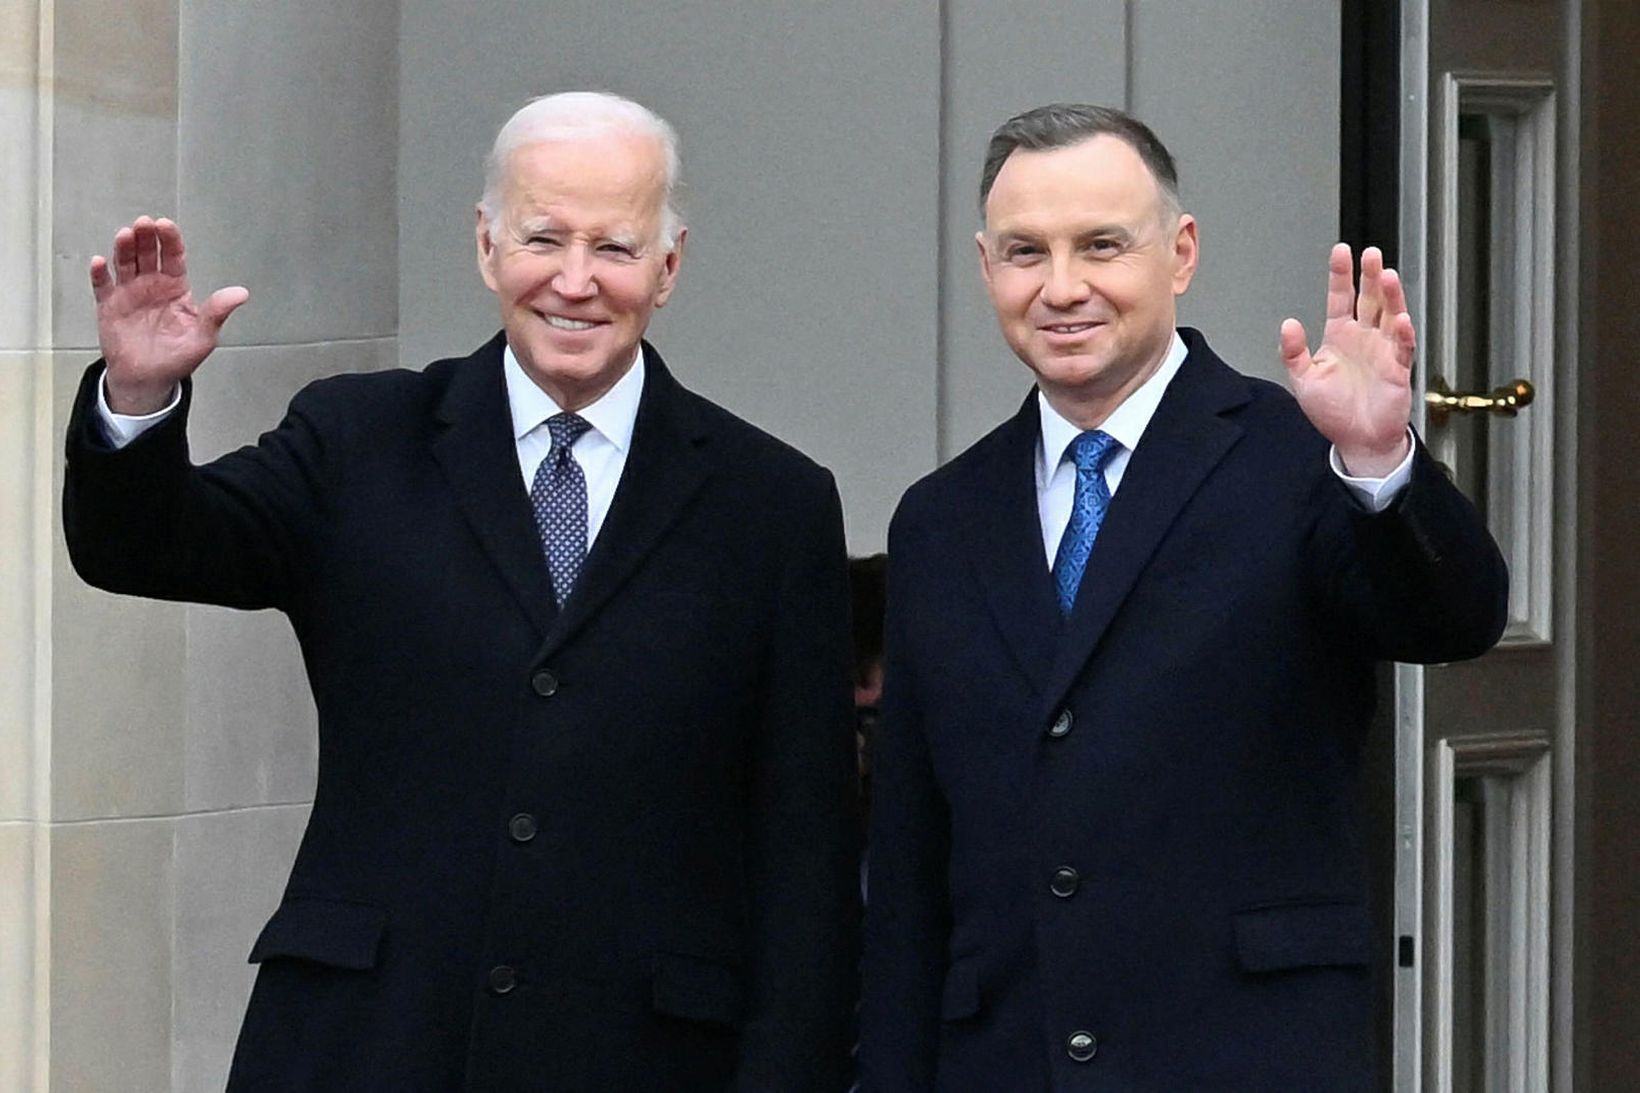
122	429
1377	493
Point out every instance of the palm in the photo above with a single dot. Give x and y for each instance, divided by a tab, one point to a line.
152	323
1357	387
151	331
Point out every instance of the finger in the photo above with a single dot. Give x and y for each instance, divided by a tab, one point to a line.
224	302
1295	348
1369	305
147	245
171	256
102	279
1395	300
1406	339
1340	283
125	254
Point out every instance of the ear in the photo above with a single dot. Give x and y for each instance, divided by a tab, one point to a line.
984	258
669	269
1186	252
486	247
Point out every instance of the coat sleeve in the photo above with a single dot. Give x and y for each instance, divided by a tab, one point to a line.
143	520
908	916
1421	582
802	855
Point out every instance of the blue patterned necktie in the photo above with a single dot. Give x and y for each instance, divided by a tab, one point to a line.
559	498
1090	452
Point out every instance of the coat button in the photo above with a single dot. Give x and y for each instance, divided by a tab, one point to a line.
1061	725
544	683
1082	1046
521	827
1065	882
502	979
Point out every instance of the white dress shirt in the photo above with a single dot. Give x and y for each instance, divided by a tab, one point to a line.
1056	475
601	450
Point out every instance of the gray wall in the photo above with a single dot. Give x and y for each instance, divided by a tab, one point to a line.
830	289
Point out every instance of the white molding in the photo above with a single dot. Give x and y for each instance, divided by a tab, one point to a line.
1520	473
1518	772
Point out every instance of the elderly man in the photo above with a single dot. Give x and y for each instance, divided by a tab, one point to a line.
1131	637
579	644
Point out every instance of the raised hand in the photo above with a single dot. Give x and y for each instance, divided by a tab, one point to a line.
152	333
1357	388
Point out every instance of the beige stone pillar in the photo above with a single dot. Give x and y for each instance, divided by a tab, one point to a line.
156	760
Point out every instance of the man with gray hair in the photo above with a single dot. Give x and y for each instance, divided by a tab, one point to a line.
1129	665
579	644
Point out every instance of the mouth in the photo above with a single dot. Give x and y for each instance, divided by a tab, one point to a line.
563	322
1068	328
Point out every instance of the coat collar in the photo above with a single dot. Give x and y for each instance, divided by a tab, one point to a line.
1184	441
477	452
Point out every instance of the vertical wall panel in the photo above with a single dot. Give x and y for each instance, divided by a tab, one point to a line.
810	139
999	60
1247	98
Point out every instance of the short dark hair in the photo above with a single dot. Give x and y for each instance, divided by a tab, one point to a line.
1061	124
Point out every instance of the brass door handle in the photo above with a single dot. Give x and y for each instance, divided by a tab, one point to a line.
1505	401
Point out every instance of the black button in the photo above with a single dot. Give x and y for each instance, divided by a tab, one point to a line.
544	683
521	827
1082	1046
1065	882
1061	725
502	979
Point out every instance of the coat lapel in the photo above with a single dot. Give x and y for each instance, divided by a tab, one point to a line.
479	458
1004	532
664	469
1184	441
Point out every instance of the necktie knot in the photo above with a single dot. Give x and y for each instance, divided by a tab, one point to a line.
565	430
1090	451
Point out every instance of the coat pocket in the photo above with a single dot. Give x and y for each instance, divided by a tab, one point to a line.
960	998
1303	935
696	989
324	931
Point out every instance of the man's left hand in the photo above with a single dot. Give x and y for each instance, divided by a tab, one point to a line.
1357	388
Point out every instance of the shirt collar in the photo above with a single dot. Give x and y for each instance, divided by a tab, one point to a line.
1126	424
613	415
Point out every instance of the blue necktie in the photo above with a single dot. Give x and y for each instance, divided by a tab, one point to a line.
1090	452
559	498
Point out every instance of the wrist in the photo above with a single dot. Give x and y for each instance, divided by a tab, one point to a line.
137	399
1374	461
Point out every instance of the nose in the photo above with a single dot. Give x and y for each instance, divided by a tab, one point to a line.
1065	286
574	280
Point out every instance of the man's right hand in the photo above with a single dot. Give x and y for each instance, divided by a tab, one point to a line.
152	333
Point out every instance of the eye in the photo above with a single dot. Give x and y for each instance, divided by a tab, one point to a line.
1021	253
617	250
1104	246
540	241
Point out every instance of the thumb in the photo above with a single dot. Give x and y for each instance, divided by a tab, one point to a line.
224	302
1295	348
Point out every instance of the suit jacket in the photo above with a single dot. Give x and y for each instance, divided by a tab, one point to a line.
1139	825
598	848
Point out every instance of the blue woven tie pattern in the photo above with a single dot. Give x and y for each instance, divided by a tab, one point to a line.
1090	452
559	498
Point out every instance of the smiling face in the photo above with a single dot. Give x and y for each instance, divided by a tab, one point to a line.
577	259
1083	257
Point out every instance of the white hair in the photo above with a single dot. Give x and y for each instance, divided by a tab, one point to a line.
582	115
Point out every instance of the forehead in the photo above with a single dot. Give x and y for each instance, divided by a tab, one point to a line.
613	174
1100	180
